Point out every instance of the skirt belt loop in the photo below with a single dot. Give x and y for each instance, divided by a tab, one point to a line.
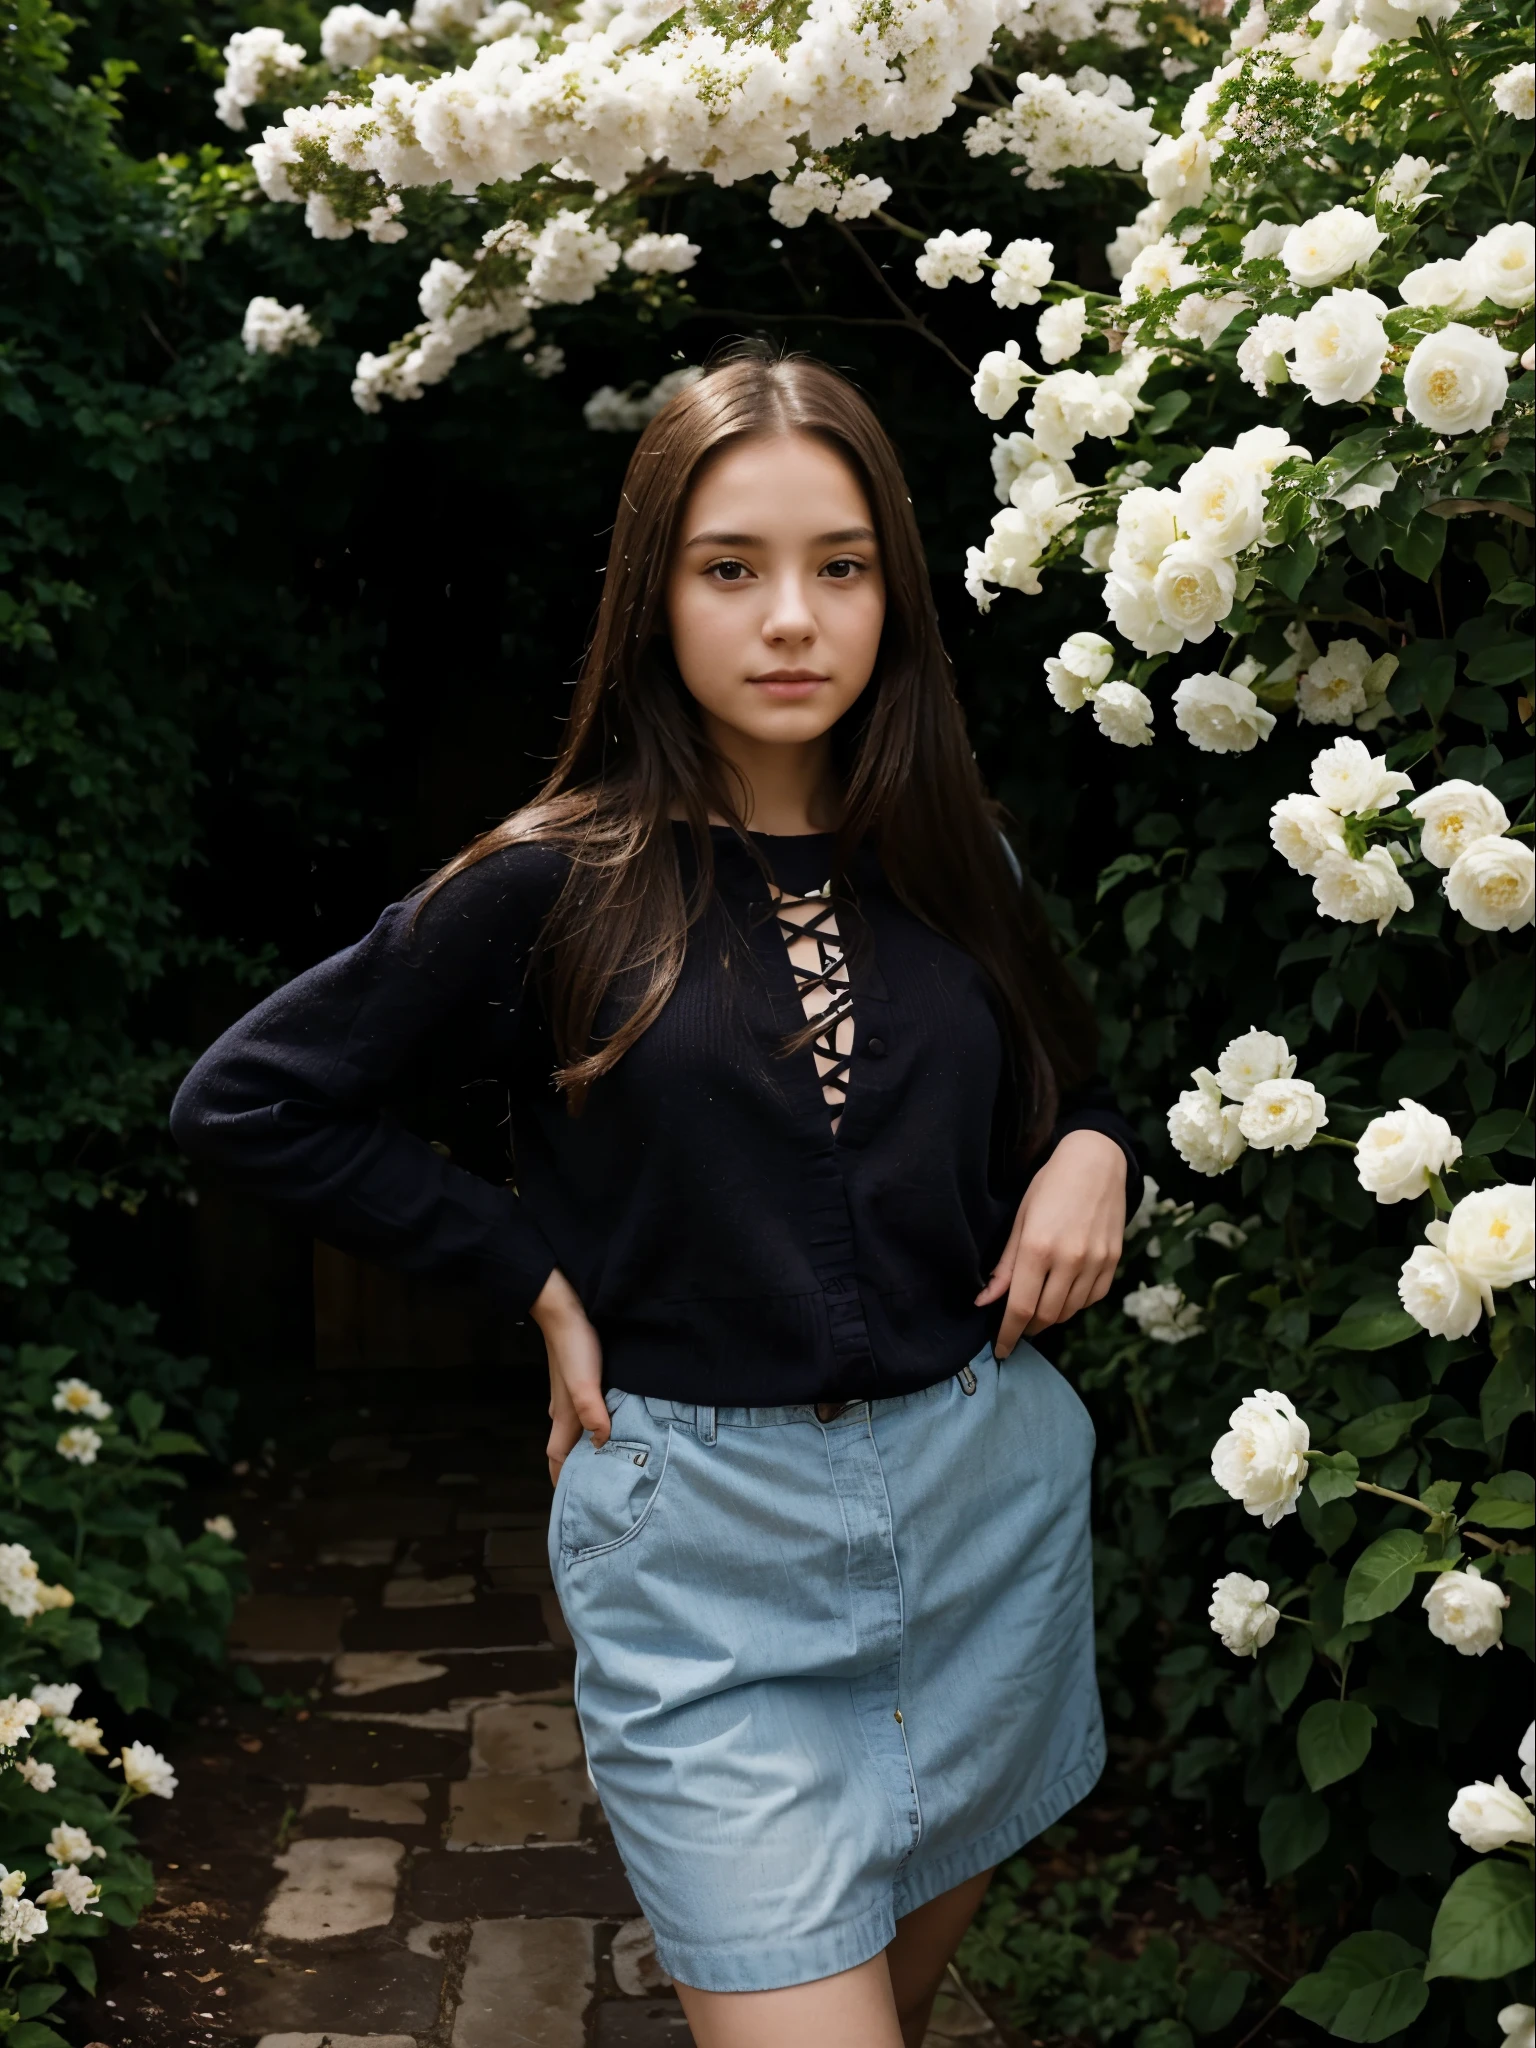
704	1424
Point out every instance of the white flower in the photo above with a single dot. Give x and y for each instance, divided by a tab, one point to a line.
220	1526
1265	240
1263	349
1502	264
998	381
1282	1116
1159	267
1493	885
1341	346
1018	468
1527	1756
20	1920
1060	329
1241	1615
72	1888
1163	1314
1076	672
1398	1151
1303	830
273	329
1445	282
1369	890
1394	20
1255	1057
17	1717
1194	589
1070	404
669	255
69	1844
569	258
1203	1129
353	36
1177	169
1406	184
1123	714
1518	2022
79	1444
1490	1236
145	1770
1466	1611
1329	244
1262	1460
947	256
546	361
1457	380
1221	502
1266	448
254	59
1022	268
53	1700
84	1736
1353	781
41	1777
75	1397
1489	1817
1332	690
19	1582
1220	715
1514	92
1455	815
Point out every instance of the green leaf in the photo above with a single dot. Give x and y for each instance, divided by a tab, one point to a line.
105	1597
33	2034
1359	1985
1502	1130
1508	1392
1168	408
1287	1663
1503	1502
31	1999
1368	1436
144	1412
1371	1333
1507	661
1141	916
1332	1476
1197	1493
1382	1577
1292	1828
1486	1925
1333	1741
1420	548
1215	1998
1290	569
1378	2011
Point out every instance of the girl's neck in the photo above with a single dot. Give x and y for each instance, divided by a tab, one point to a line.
786	791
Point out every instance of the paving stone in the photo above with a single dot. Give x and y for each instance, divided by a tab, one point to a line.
456	1589
359	1750
510	1809
356	1672
402	1805
426	1938
512	1736
383	1989
498	1621
632	1958
333	1886
268	1625
455	1716
359	1551
617	2023
329	2040
501	1518
584	1880
352	1515
526	1982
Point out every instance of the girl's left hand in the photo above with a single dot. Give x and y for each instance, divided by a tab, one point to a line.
1065	1243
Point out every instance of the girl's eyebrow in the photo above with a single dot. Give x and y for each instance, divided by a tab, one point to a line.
843	535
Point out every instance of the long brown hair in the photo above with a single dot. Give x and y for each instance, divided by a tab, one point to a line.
635	753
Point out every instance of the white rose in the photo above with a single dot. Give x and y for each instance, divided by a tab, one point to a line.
1491	1236
1022	268
1455	815
1282	1116
1466	1611
1457	380
1332	690
55	1699
1518	2022
1365	891
1397	20
1442	283
1241	1615
1254	1057
1502	264
1328	244
947	256
1262	1460
999	380
145	1770
1177	168
1266	448
1440	1298
1303	829
1017	461
1123	714
1070	404
1133	612
1514	92
1353	781
1060	329
1220	715
1341	347
1399	1150
1194	589
1221	502
1203	1129
1263	349
1159	267
1146	526
1489	1817
1407	183
1076	672
1493	885
1163	1313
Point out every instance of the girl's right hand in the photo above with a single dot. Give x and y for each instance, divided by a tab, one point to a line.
575	1371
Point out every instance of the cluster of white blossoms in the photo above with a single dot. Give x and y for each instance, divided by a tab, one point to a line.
1253	1098
77	1397
611	411
1514	92
1241	1614
1490	879
1019	274
1348	781
1162	1313
23	1591
80	1444
1487	1241
272	329
255	60
814	189
1489	1817
1057	124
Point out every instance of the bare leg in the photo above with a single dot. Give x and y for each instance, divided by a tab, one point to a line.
854	2009
925	1942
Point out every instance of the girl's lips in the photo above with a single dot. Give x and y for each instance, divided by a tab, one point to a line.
789	684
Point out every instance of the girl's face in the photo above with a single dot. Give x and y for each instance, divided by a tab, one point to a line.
775	597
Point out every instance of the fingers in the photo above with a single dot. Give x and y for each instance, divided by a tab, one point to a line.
1030	1274
564	1435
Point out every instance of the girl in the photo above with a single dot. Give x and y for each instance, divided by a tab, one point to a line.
800	1124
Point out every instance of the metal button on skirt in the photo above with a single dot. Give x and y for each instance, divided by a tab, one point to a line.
828	1668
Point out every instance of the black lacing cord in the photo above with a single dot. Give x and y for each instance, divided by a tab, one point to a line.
830	976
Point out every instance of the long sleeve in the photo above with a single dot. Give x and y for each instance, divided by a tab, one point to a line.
289	1104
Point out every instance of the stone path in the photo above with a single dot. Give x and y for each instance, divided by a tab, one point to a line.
410	1855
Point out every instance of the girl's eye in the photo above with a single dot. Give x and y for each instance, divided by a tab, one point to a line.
729	572
844	569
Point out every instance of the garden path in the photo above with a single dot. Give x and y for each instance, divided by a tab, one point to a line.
399	1847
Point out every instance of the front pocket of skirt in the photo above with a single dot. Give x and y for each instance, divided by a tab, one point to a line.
609	1495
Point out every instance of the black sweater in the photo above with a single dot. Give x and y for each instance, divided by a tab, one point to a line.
729	1248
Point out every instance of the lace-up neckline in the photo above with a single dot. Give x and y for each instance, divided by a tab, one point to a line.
808	926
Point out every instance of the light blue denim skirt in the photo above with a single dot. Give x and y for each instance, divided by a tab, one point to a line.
827	1670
